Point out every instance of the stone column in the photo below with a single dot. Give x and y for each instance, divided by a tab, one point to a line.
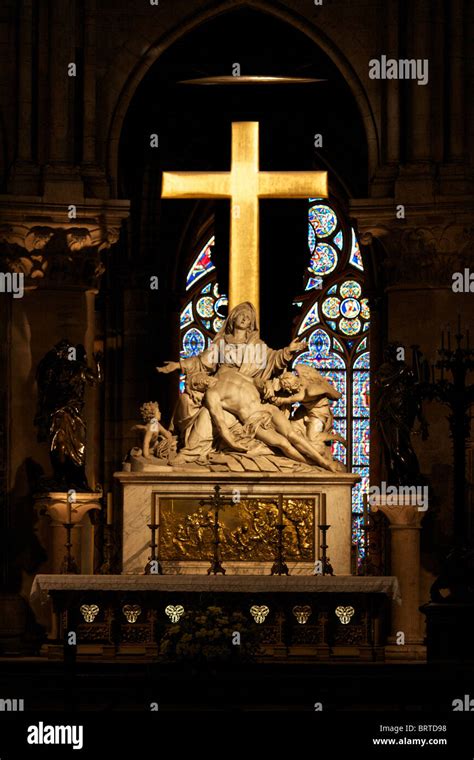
60	263
406	639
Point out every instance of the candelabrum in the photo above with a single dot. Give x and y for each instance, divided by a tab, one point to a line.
153	566
324	559
217	502
69	565
458	395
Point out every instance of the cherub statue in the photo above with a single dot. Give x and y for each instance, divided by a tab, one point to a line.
156	438
313	392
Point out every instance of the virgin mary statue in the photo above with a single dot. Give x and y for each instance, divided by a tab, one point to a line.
238	345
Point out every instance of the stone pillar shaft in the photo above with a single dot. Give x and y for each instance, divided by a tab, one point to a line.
420	127
456	88
24	81
60	84
393	87
88	146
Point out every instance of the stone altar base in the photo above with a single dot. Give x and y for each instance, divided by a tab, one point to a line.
289	619
185	535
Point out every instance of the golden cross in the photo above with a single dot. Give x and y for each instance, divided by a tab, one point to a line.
244	185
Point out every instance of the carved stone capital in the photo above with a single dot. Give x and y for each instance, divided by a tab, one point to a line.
55	505
55	255
50	250
401	514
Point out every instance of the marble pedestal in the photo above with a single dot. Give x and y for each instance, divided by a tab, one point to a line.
53	508
406	640
142	489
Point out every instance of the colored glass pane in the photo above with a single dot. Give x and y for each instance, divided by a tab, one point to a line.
193	342
349	326
364	308
331	307
202	265
311	238
314	282
205	307
323	220
361	394
360	441
324	259
339	240
355	258
311	319
350	289
350	308
362	362
186	316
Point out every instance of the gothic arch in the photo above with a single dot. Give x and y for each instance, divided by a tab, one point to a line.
150	56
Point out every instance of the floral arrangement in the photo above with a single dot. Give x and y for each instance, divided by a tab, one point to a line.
208	635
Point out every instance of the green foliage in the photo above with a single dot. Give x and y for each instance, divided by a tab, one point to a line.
207	636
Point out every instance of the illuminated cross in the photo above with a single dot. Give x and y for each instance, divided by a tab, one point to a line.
244	185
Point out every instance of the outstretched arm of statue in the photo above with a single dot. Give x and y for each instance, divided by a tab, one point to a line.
168	367
297	345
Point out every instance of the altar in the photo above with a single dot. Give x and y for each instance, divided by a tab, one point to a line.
295	618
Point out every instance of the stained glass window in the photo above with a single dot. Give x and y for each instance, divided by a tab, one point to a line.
335	318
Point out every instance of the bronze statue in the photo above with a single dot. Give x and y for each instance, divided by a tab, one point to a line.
61	377
398	407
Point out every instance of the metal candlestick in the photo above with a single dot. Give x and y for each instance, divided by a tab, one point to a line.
217	502
327	567
280	567
106	567
153	566
69	565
